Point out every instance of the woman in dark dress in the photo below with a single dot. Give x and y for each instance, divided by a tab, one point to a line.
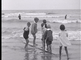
26	33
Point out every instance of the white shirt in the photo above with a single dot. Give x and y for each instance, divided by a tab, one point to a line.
63	38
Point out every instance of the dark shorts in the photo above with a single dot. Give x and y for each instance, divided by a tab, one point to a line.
48	42
33	34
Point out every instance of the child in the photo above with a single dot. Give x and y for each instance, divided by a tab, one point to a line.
63	38
34	29
49	38
43	28
26	33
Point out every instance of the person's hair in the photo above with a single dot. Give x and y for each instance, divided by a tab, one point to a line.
62	27
36	19
28	23
44	21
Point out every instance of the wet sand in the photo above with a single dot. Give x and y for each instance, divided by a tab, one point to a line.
13	48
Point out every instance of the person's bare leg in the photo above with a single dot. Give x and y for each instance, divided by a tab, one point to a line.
60	50
67	53
43	45
47	47
42	42
34	39
27	41
50	49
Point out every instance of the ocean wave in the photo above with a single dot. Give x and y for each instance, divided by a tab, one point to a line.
65	21
55	17
23	14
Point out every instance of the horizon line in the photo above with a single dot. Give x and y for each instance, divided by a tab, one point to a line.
41	9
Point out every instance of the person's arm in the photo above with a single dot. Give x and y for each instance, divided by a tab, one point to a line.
67	34
42	25
52	35
59	34
35	28
24	28
45	35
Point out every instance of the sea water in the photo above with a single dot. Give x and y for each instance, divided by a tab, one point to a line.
50	15
12	32
71	14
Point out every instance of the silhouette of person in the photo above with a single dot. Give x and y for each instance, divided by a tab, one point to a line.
65	16
19	17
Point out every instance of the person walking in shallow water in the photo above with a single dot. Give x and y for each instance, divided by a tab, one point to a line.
43	29
49	38
19	17
64	42
34	29
26	34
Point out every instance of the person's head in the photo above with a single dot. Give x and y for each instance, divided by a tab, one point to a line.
48	26
44	21
62	27
28	24
36	19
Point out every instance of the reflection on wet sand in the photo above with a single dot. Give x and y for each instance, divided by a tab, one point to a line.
33	52
46	56
26	55
43	56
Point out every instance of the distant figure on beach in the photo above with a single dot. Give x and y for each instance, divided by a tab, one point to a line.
49	38
65	16
34	29
43	29
64	42
26	33
19	17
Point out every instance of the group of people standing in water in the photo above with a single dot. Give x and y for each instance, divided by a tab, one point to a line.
47	36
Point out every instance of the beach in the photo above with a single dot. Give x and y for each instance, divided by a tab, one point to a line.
13	42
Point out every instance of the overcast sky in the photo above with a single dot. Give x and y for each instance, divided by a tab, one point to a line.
39	4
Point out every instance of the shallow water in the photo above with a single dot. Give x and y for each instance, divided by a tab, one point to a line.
14	49
13	42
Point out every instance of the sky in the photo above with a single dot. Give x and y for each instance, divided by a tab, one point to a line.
40	4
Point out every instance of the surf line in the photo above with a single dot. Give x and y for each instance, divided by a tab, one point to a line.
39	48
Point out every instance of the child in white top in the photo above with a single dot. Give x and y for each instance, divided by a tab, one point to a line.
63	38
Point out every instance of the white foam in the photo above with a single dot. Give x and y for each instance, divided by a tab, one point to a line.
41	15
72	35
